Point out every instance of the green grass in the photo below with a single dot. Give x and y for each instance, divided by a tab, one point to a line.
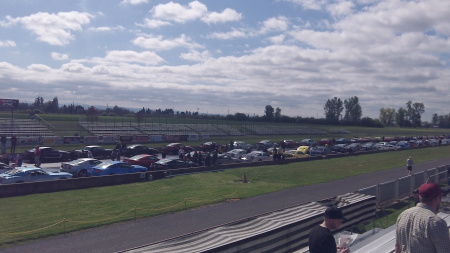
42	215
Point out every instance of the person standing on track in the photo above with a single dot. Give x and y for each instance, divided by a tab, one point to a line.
409	164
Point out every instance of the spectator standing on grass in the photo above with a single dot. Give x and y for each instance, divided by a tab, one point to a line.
419	229
3	141
409	164
13	144
321	239
37	156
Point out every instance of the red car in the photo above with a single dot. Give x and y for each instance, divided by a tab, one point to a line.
291	144
142	160
173	148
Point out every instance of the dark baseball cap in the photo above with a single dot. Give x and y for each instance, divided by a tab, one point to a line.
430	190
333	213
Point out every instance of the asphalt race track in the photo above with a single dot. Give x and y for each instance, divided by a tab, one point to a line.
126	235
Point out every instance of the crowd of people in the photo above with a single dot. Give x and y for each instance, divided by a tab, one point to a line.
11	158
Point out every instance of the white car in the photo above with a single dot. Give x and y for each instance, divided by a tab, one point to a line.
236	153
257	156
79	167
30	174
242	145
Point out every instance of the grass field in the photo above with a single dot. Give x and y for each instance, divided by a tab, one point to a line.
42	215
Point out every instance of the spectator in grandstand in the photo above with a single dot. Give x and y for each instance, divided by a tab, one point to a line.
13	144
37	156
321	239
409	163
3	141
419	229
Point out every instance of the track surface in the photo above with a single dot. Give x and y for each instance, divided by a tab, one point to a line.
126	235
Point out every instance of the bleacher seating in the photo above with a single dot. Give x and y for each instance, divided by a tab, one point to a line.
24	127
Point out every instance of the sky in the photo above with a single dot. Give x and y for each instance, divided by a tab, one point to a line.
227	57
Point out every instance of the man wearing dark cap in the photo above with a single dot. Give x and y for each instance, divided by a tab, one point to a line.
321	239
419	229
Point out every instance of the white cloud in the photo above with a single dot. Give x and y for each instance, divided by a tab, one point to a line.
196	56
55	29
229	35
147	58
179	13
159	43
106	29
134	2
274	25
279	39
310	4
341	8
226	16
154	23
7	43
59	57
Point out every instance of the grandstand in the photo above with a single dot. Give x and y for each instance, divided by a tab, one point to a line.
23	127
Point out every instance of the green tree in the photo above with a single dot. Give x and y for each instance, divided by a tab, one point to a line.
387	116
353	111
92	114
414	113
401	118
269	112
333	110
435	119
277	113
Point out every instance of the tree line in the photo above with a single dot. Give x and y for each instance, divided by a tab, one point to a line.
336	112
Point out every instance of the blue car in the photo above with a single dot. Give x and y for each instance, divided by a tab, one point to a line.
114	167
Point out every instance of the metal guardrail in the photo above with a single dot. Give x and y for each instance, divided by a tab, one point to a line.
388	192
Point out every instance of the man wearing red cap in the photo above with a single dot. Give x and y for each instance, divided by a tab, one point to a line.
419	229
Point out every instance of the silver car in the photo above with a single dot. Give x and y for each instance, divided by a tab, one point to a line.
79	167
30	174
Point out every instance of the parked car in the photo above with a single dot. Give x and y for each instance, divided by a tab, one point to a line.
48	154
97	151
167	164
142	160
138	149
291	143
307	142
236	153
173	148
114	167
342	141
79	167
368	146
264	144
304	149
354	147
402	145
325	141
338	148
256	156
30	174
226	159
290	154
319	151
209	146
242	145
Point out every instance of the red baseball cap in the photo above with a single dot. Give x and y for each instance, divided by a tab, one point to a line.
430	190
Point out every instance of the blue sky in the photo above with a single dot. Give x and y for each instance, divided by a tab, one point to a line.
228	56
